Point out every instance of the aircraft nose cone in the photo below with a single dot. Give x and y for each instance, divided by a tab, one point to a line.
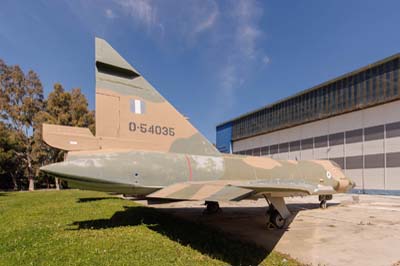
345	185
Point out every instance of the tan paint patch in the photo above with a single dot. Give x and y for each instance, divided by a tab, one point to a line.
206	191
107	115
165	192
158	113
262	162
107	92
117	132
343	185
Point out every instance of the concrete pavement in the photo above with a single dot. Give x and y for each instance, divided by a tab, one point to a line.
354	230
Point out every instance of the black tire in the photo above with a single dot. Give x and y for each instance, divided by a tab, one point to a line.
323	204
277	220
268	216
212	207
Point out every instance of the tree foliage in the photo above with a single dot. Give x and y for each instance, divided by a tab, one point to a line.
23	110
11	149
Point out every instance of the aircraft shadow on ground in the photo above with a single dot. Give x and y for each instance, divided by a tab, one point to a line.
199	233
83	200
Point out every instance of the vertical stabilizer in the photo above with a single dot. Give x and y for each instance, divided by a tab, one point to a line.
130	113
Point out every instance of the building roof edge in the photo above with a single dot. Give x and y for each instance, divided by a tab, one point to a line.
348	74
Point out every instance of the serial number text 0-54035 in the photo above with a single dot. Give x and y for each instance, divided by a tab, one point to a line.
151	129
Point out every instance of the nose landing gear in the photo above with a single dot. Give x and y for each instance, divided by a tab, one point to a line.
323	204
323	200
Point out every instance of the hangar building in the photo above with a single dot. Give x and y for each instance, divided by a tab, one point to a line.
353	120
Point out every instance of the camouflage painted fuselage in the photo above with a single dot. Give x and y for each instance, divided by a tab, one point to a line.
142	173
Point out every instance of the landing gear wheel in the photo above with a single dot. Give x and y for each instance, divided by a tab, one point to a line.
277	220
323	204
212	207
274	218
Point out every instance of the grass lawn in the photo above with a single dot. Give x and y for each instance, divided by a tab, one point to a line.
73	227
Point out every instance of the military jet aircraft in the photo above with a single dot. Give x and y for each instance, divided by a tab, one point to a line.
146	148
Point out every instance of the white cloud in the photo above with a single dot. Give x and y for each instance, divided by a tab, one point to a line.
209	21
143	11
248	31
245	51
247	40
266	60
228	79
229	33
110	14
183	19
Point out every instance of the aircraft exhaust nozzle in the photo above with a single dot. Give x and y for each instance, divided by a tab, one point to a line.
69	169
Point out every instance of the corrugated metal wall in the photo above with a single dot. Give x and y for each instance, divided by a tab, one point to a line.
365	143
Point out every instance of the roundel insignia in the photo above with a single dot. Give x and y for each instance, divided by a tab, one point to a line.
328	175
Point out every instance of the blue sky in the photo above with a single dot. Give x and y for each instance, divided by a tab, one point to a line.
214	60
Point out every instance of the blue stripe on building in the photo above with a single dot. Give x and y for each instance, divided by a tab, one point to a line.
224	137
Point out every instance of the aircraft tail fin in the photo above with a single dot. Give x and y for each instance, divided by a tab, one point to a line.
131	113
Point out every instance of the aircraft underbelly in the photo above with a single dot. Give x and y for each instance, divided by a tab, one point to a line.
110	187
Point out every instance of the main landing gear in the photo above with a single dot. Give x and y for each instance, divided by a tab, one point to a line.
323	200
212	207
277	212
